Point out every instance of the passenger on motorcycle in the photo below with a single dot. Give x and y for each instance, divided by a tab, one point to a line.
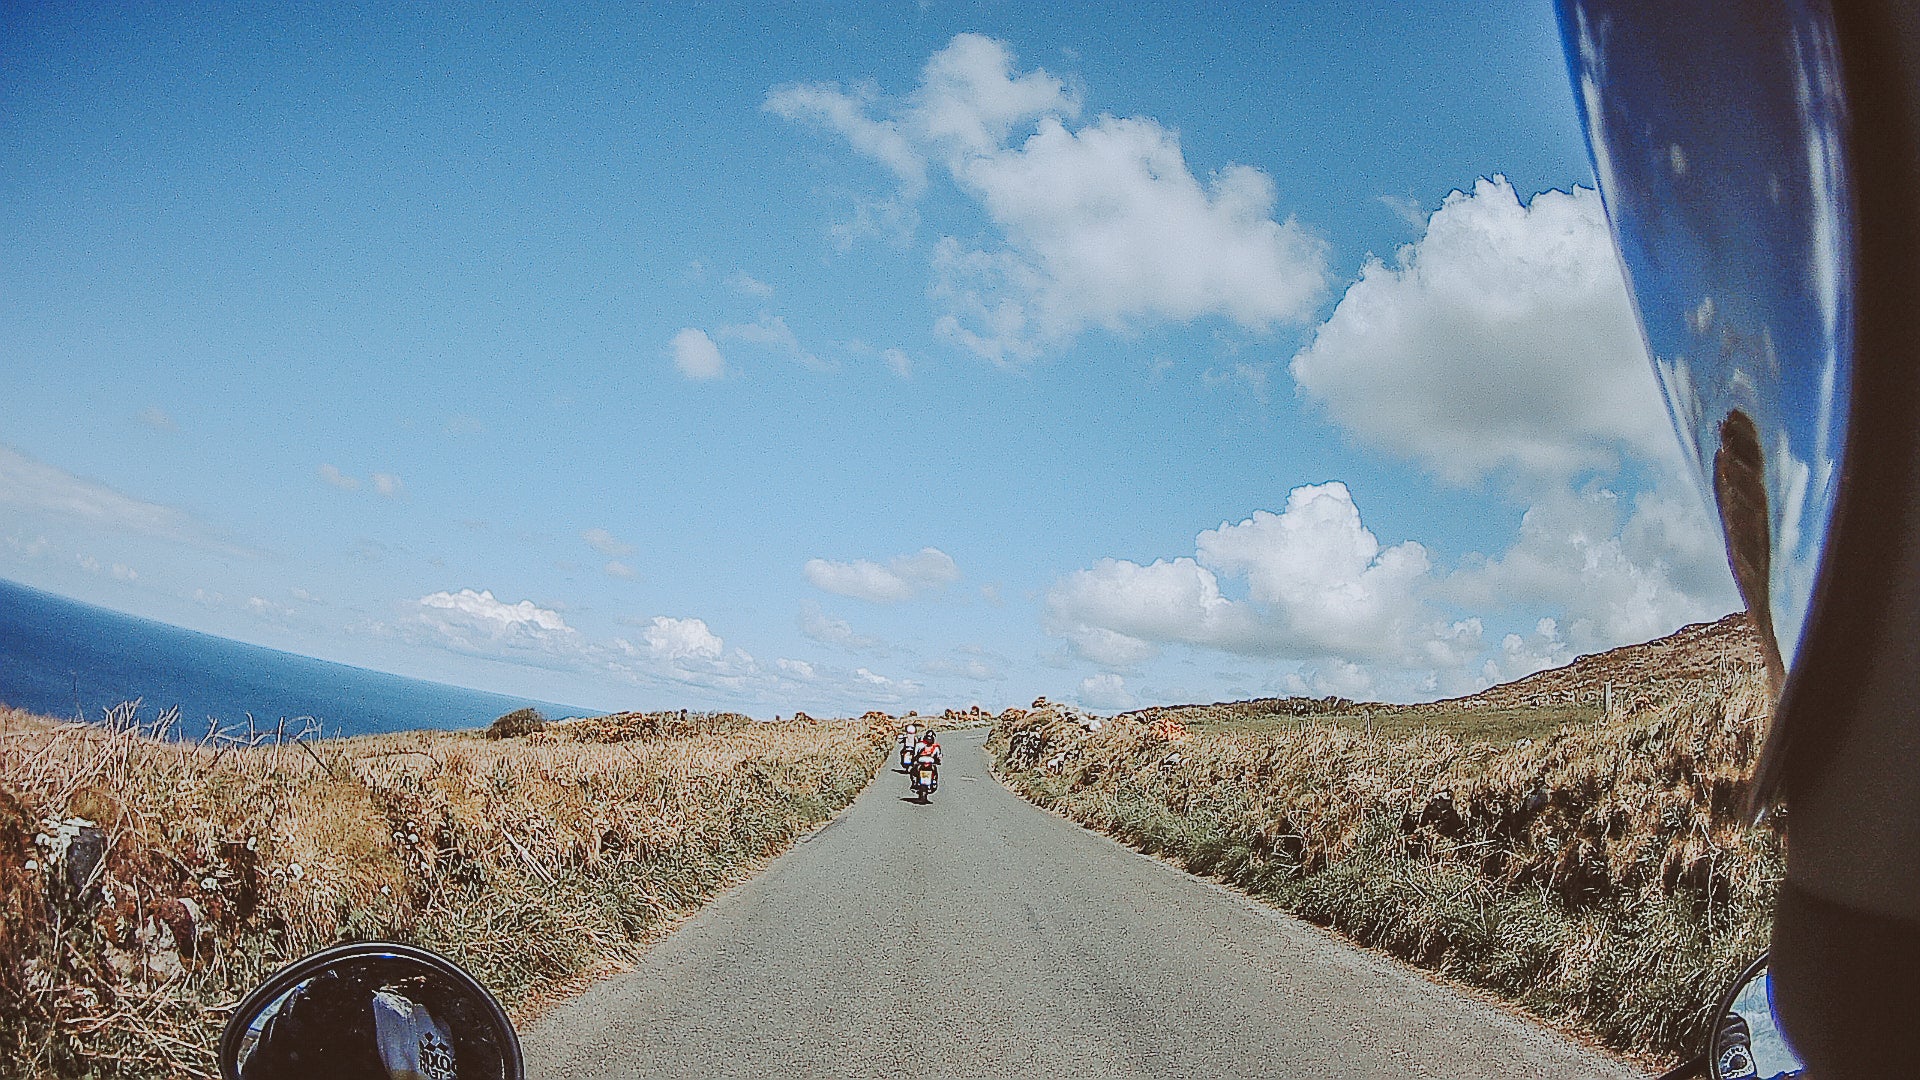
928	753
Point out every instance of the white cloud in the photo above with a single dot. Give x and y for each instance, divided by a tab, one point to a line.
1522	655
969	101
606	543
1319	583
963	667
387	484
1100	224
798	669
1610	571
335	478
772	332
1107	226
1319	587
882	689
1321	572
470	611
902	578
845	115
681	639
156	418
743	282
1107	691
617	569
267	609
828	630
899	363
1502	341
28	486
1313	586
697	357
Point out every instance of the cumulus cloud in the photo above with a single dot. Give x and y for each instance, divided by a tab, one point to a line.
903	578
388	484
1611	570
617	569
898	362
1100	223
1312	586
1318	582
681	639
1502	342
469	618
1318	586
697	357
1106	691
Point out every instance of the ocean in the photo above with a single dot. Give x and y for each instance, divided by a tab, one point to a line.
59	657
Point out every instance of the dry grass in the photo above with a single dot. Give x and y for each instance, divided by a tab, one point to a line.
1599	875
528	860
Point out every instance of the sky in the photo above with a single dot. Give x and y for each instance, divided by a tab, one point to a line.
890	357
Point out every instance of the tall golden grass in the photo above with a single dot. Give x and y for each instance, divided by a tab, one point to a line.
527	860
1602	876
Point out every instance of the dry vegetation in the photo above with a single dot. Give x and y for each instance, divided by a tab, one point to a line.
1599	872
146	884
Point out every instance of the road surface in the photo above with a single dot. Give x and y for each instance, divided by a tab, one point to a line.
997	940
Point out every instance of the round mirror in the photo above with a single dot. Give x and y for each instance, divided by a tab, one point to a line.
1719	151
370	1011
1746	1043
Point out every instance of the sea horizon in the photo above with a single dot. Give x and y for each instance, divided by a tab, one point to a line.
63	658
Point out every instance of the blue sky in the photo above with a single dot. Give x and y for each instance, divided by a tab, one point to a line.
897	357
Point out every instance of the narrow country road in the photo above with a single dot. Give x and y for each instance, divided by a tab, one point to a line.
997	940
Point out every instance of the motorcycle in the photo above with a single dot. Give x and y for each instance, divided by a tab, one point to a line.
922	779
906	758
1744	1042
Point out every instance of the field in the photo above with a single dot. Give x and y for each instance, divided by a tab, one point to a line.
145	884
1594	868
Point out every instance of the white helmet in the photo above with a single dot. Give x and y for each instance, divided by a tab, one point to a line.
911	729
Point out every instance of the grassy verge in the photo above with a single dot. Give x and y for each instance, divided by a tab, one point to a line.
146	884
1598	875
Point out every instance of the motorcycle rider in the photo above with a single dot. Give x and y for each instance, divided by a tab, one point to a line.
909	739
1758	162
928	753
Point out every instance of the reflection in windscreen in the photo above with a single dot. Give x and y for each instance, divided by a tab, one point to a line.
1771	1057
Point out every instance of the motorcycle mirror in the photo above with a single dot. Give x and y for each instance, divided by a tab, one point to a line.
1721	156
372	1010
1746	1042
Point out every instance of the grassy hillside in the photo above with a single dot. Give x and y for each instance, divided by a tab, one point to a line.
146	884
1597	872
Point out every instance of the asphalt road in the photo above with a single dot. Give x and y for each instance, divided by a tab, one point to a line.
978	936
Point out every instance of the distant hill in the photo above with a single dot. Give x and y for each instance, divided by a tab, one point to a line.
1628	678
1698	652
